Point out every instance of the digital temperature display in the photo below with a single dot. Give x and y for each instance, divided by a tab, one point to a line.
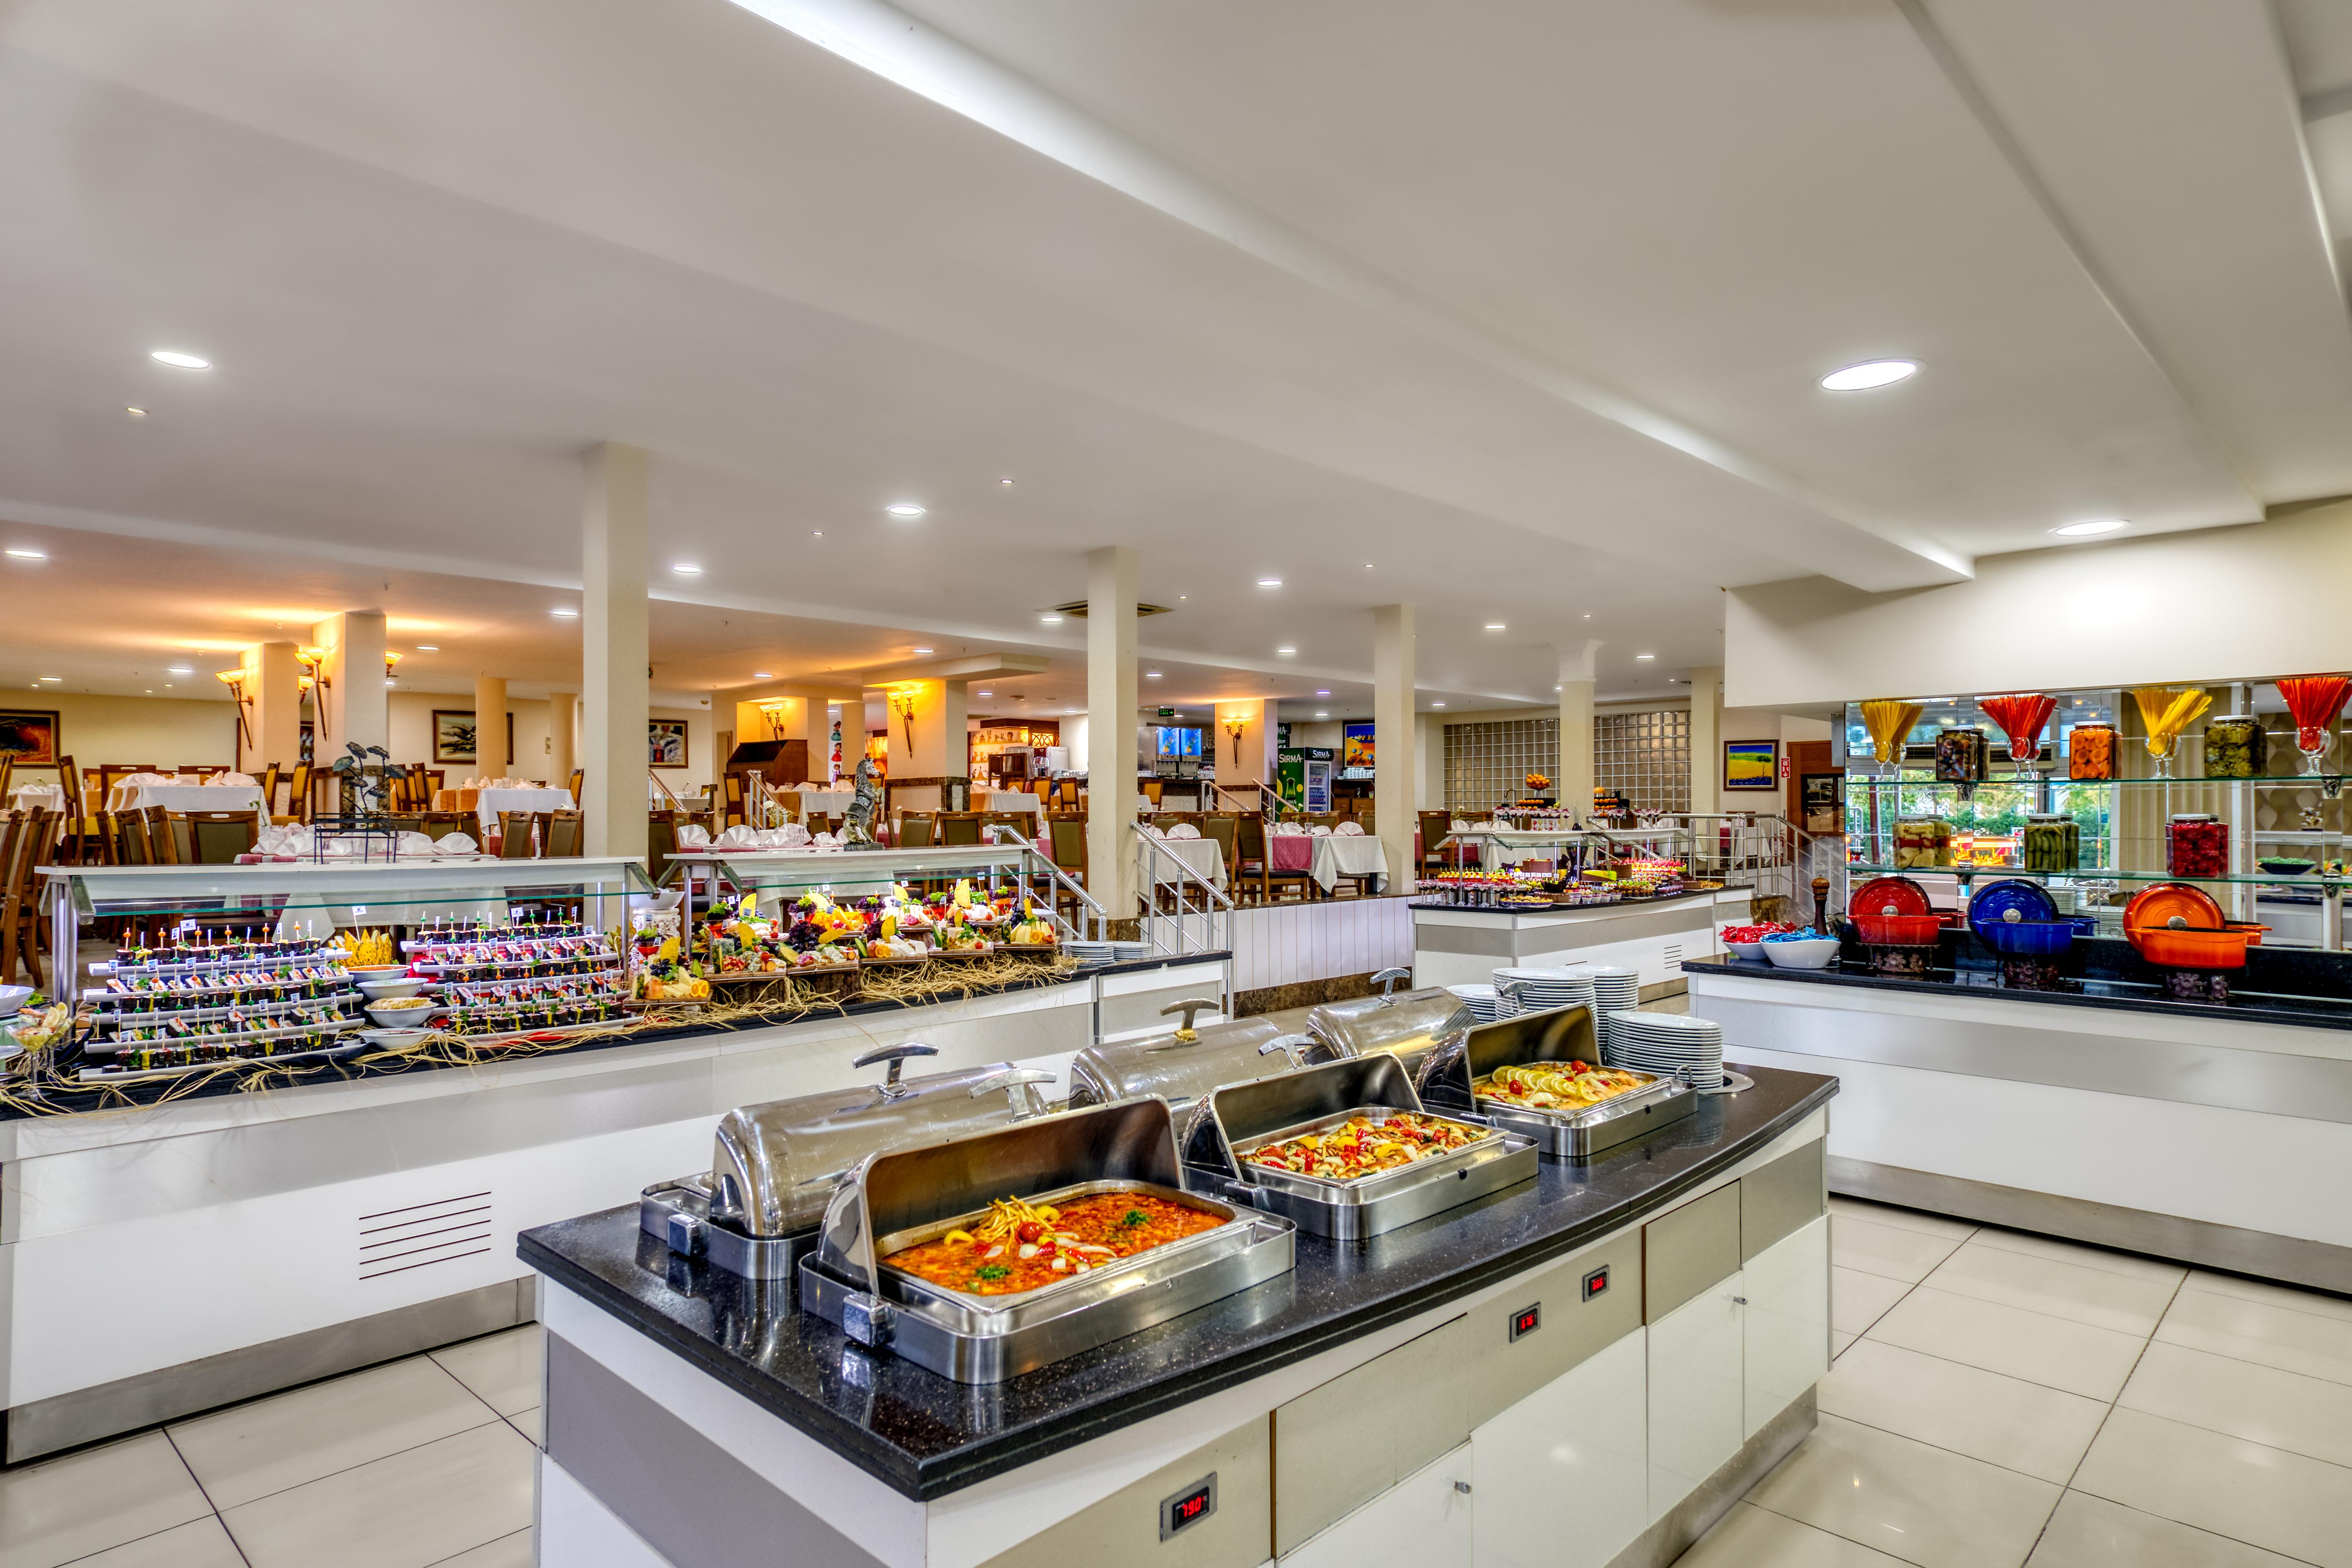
1596	1282
1526	1320
1189	1507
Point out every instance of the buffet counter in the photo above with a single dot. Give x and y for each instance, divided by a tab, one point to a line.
1588	1366
1458	945
2216	1134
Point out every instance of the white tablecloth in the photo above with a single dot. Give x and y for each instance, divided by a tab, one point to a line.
490	802
1339	855
1200	855
1004	800
825	802
40	797
186	797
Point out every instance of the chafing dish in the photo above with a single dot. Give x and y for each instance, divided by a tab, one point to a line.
1405	1024
1187	1063
904	1198
1562	1035
1243	1117
773	1166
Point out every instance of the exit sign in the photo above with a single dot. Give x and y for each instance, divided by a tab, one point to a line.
1168	713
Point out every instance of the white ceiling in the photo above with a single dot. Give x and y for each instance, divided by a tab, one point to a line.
1522	303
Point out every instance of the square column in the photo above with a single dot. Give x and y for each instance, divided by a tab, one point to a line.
933	742
615	652
273	688
352	702
1111	729
1396	800
1706	740
562	721
492	756
1575	779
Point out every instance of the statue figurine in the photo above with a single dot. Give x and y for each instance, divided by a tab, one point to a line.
857	822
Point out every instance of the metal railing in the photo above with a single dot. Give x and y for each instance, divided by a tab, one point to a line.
1004	833
1209	924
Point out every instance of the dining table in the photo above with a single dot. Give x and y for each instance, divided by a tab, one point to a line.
490	803
1328	857
136	794
1199	858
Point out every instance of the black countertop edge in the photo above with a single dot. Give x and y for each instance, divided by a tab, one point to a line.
605	1259
1626	905
148	1092
2317	1013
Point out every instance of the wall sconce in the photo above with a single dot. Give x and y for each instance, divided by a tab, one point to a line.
774	712
234	680
391	664
1234	724
314	673
902	703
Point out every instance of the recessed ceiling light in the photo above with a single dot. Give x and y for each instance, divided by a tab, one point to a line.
565	615
2071	531
428	647
1322	715
1646	656
763	675
1437	705
1368	565
1051	620
1588	615
1494	625
922	651
687	569
983	694
1269	582
816	534
1285	650
1869	374
137	414
1005	481
1322	694
1151	675
903	509
181	669
30	555
1559	689
183	361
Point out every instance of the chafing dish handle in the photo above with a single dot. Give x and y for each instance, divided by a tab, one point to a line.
1289	1045
1387	981
1185	1033
1010	1081
897	1056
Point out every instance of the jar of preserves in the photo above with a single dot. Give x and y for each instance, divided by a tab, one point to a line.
2235	748
1962	755
2091	751
1922	841
2196	844
2053	842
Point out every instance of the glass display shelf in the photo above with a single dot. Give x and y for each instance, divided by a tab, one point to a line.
2029	781
2313	880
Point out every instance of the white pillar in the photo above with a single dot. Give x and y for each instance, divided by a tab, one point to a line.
1111	703
615	651
1575	779
273	677
356	706
1706	740
1395	800
492	756
1250	760
932	743
563	741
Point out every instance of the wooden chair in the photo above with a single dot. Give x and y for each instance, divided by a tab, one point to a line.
23	932
514	836
914	830
562	835
1226	831
79	823
1152	790
8	769
218	837
1254	857
297	796
1436	827
661	843
131	847
271	776
575	784
439	825
958	829
176	832
731	809
200	770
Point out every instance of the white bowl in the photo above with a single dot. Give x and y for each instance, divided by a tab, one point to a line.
1752	951
384	990
400	1018
395	1039
13	999
1819	953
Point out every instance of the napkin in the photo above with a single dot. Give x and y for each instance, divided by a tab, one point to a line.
415	844
739	837
826	841
1349	830
693	836
1152	831
795	834
1320	830
1183	830
1457	826
454	843
243	781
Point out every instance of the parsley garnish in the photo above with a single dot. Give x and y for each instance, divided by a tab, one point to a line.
993	1271
1134	1218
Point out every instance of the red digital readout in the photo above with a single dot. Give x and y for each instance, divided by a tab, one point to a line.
1596	1282
1528	1320
1189	1508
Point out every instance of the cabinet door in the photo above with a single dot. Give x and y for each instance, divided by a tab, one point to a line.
1697	1402
1787	1333
1563	1474
1423	1519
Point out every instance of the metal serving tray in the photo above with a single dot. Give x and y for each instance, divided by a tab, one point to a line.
1562	1035
1244	1117
899	1198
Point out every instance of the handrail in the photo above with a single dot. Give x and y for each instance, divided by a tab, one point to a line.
1217	910
1004	830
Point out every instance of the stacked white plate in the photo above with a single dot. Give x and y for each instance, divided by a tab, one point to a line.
1483	1004
1541	989
1667	1043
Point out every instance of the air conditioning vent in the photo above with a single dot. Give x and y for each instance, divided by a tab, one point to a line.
1077	609
1674	957
421	1235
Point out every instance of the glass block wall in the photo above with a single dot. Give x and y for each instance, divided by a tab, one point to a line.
1644	756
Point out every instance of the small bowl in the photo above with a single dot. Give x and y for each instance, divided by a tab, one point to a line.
1811	952
386	989
375	971
2283	865
1753	951
13	999
399	1018
396	1039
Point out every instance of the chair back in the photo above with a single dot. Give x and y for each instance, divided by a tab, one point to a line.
575	784
514	836
1223	829
175	829
200	770
69	780
132	846
1249	838
270	777
1151	792
7	768
564	835
661	842
439	825
218	837
958	829
914	830
298	794
1069	842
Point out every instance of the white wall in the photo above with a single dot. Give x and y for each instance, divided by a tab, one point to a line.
2215	603
412	739
1074	738
165	730
1323	733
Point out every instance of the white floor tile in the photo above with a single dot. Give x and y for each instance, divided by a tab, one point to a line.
527	1422
1903	1218
2266	1497
1890	1251
59	1509
2055	1352
2001	1420
202	1543
1922	1503
2259	1332
2122	1263
503	1369
1752	1537
1858	1300
252	1450
2092	1296
2305	1416
405	1512
1839	1342
507	1551
2286	1296
2092	1533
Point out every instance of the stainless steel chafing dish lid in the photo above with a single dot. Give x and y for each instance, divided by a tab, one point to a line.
1236	1113
1404	1025
1186	1063
1469	1053
773	1166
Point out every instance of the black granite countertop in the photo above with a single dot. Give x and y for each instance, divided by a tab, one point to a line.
927	1436
2304	987
114	1095
1624	906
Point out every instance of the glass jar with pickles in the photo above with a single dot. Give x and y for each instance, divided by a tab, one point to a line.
2053	842
1922	841
2236	748
1963	755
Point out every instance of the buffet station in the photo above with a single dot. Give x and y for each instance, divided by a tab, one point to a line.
2061	993
1406	1286
403	1062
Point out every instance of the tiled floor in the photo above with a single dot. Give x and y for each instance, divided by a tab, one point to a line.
419	1462
1999	1399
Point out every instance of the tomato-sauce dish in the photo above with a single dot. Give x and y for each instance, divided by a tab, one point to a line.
1019	1247
1364	1144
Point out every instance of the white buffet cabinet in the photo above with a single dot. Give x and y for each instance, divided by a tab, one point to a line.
1441	1440
1462	946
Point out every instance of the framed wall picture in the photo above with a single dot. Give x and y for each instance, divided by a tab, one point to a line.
29	735
665	742
1823	798
454	739
1751	764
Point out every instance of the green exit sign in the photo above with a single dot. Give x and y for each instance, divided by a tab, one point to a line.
1168	713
